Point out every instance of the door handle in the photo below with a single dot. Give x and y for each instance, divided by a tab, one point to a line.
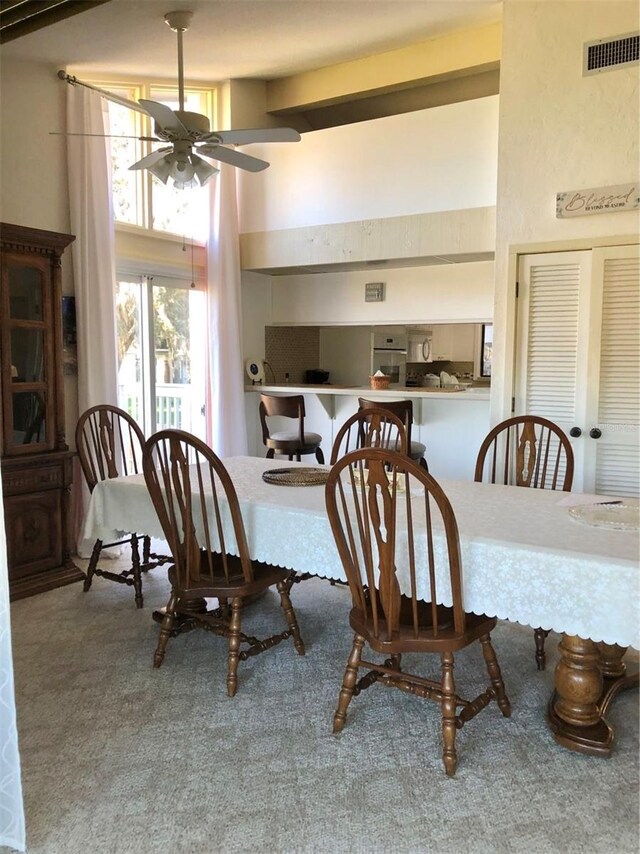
595	433
575	432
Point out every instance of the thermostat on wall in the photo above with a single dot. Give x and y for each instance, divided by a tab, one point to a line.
374	292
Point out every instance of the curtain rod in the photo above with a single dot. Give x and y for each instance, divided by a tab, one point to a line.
132	105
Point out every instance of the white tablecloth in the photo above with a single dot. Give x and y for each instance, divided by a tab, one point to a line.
524	558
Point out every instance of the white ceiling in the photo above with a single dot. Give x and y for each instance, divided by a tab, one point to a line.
242	38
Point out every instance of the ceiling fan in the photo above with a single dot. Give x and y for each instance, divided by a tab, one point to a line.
189	136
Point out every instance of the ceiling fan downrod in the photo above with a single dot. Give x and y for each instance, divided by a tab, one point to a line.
179	23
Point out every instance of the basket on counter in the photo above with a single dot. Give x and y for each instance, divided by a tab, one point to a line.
379	383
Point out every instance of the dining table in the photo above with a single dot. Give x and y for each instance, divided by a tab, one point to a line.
532	556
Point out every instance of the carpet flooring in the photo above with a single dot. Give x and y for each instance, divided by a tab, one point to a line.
119	758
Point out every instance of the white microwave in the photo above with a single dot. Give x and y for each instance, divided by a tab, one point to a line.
419	349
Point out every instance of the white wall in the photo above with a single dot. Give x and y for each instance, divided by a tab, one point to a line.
558	131
439	159
440	293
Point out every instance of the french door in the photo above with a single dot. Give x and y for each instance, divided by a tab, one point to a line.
161	352
578	358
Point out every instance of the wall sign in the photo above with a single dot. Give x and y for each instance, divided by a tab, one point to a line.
374	292
596	200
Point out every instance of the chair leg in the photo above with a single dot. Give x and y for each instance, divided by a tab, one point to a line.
93	563
165	630
447	685
319	456
234	645
493	669
541	657
146	549
290	614
137	574
348	684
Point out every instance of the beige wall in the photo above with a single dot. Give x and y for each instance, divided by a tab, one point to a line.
439	293
33	164
558	131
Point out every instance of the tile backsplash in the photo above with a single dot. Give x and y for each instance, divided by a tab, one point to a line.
291	350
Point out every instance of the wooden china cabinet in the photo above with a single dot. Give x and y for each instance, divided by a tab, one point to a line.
35	459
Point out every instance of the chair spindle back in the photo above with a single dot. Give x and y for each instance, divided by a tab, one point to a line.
197	507
373	427
109	444
526	450
397	538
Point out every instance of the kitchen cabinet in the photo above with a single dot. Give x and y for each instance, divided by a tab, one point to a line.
36	461
442	343
453	342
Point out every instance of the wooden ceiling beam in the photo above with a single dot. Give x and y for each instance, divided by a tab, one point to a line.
21	17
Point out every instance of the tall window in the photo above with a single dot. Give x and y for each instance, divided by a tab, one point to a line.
161	353
139	198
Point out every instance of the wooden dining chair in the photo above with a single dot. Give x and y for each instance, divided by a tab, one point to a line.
197	507
397	538
404	410
109	444
292	443
527	450
373	427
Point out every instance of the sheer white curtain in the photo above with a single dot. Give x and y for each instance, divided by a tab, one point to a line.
12	830
93	254
94	248
226	426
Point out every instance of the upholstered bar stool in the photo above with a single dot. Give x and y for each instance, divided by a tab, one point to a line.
292	443
404	410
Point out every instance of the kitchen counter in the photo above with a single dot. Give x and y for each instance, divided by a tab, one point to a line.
452	424
368	392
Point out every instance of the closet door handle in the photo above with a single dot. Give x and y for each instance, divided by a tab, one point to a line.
575	432
595	433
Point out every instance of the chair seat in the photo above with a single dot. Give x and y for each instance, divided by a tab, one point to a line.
447	637
293	436
264	576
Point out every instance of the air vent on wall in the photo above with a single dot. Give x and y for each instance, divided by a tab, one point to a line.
609	54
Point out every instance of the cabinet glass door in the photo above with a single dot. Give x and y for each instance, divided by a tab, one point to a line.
26	345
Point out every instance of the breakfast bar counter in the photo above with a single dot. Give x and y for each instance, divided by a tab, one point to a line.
450	423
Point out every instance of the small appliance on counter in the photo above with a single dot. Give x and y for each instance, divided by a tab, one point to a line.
315	376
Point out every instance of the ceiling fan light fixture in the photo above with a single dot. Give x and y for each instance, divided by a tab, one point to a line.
161	170
203	170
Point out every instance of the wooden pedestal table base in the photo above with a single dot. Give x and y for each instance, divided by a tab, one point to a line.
588	677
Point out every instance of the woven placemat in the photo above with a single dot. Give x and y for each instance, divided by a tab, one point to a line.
296	476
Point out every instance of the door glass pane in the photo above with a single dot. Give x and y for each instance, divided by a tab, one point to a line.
178	343
27	355
28	417
130	364
25	293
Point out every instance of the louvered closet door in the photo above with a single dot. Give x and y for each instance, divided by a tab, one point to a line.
578	358
612	460
552	342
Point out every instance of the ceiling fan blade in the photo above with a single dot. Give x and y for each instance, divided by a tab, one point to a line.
245	137
235	158
106	135
151	159
164	117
